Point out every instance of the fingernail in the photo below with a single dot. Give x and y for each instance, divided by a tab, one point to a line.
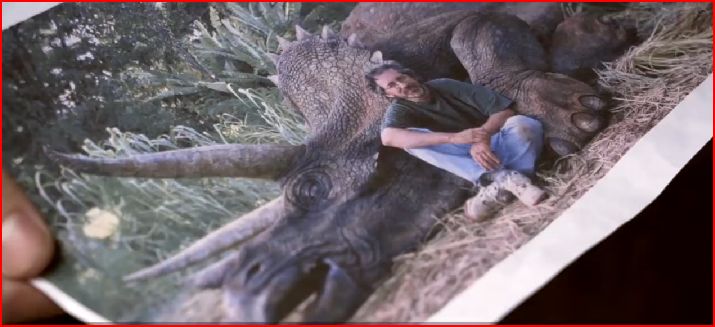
9	227
26	246
9	230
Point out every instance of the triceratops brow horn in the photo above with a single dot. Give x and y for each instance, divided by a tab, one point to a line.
268	161
221	239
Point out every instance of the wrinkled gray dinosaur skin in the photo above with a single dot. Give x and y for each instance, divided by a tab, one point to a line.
505	53
349	205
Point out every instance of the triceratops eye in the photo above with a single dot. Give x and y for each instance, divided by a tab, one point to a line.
310	189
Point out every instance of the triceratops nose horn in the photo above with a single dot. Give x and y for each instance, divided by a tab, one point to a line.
339	298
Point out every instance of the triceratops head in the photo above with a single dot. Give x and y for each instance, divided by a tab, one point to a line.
348	205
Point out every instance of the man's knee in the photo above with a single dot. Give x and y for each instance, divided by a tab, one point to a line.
426	154
523	127
418	152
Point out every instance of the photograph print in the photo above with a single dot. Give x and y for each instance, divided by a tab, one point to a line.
322	162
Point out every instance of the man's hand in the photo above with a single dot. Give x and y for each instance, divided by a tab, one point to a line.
480	135
27	248
471	135
481	149
482	153
463	137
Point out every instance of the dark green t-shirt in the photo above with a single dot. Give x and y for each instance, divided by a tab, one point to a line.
455	106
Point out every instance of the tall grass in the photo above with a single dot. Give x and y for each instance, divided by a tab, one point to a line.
158	216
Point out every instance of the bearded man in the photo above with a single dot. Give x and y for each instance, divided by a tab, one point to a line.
465	129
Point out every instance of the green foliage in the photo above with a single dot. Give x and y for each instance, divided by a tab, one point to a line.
232	52
154	83
62	73
156	216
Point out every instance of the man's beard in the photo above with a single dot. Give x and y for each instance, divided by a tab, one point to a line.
415	91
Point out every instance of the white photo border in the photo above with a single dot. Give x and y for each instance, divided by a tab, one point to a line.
615	199
633	183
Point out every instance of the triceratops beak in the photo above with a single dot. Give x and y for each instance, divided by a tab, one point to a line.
269	304
338	296
338	288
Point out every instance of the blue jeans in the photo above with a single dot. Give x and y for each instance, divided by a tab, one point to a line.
517	145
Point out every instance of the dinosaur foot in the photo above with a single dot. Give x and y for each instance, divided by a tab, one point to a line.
572	112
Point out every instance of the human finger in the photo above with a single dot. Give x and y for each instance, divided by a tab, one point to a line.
492	157
491	164
27	246
477	154
479	135
474	152
23	303
481	159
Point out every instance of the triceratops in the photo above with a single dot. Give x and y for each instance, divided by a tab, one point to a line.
350	205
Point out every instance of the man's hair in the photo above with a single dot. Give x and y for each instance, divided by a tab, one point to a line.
370	76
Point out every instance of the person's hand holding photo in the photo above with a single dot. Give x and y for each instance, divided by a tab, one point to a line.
27	249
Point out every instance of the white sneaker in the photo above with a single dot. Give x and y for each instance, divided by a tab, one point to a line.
500	189
487	202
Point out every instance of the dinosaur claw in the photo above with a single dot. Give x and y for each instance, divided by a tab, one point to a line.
593	102
587	121
562	147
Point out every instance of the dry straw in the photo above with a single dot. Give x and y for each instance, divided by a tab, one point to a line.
647	83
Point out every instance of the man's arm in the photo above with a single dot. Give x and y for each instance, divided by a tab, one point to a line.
407	139
496	121
481	150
